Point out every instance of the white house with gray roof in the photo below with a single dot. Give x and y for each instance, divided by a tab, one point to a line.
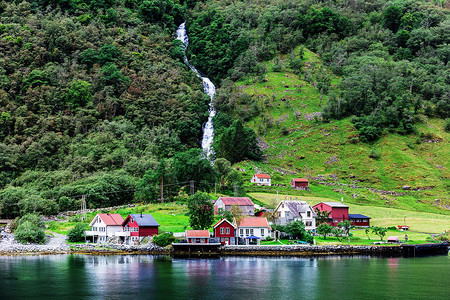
289	211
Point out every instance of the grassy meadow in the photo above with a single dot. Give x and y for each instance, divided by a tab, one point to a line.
301	145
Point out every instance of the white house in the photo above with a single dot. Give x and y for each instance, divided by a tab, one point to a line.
289	211
253	226
104	226
261	179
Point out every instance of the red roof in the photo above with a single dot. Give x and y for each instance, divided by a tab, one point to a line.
221	221
111	219
236	201
299	179
262	176
254	222
197	234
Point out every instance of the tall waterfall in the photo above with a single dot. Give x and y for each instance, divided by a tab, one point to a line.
209	89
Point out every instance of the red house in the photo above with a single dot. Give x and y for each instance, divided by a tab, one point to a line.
197	236
138	226
338	211
300	183
359	220
225	231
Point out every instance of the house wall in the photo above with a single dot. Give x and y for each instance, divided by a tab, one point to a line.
261	232
360	222
198	240
337	215
218	206
261	181
148	231
248	210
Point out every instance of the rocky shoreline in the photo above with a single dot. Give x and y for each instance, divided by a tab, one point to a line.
57	245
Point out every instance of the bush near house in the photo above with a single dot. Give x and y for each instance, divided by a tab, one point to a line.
76	234
163	239
30	229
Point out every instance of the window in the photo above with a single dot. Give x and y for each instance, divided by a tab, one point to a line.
251	231
131	220
222	231
308	214
335	221
262	232
135	229
228	230
365	220
241	231
247	231
308	223
102	229
221	239
94	228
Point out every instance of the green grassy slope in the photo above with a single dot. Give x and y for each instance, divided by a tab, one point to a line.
299	145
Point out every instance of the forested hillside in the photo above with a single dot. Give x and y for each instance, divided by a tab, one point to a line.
95	97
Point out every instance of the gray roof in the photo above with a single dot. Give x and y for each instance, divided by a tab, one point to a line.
357	216
335	204
144	219
297	207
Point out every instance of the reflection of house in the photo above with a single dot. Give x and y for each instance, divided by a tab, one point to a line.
359	220
300	183
225	232
289	211
261	179
138	226
104	226
338	211
244	203
197	236
255	226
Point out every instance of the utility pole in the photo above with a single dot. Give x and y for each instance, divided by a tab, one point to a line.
215	188
83	207
192	188
162	188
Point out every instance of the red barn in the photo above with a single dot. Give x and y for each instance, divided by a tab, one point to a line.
197	236
225	231
359	220
300	183
138	226
339	211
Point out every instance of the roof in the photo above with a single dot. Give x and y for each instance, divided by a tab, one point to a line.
299	180
143	219
392	238
221	221
333	204
254	222
109	219
197	234
262	176
357	216
236	201
296	207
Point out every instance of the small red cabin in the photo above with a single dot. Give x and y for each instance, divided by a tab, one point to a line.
300	183
338	211
225	232
197	236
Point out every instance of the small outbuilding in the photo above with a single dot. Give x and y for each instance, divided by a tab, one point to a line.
261	179
197	236
359	220
300	184
392	239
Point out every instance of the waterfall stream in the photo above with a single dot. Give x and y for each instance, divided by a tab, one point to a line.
209	89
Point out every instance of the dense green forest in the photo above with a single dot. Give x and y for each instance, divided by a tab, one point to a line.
95	97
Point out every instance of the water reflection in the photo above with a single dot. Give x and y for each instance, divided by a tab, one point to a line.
145	276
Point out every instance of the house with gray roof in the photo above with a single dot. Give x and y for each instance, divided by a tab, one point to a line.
136	227
289	211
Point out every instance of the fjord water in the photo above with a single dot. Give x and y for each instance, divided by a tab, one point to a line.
209	89
159	277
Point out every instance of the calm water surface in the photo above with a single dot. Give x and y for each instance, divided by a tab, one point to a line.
153	277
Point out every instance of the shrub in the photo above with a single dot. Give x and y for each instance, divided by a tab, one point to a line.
447	125
27	232
163	239
76	234
374	154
